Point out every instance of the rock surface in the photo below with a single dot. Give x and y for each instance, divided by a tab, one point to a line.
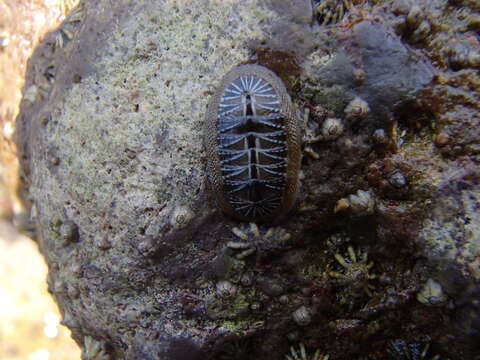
143	265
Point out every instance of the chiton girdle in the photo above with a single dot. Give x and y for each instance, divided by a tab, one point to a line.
253	145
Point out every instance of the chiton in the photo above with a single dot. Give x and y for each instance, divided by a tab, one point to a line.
253	145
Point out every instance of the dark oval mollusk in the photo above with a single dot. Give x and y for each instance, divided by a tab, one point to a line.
253	145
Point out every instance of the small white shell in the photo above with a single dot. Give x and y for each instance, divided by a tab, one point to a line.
31	94
302	316
332	128
432	294
397	179
357	109
362	202
181	217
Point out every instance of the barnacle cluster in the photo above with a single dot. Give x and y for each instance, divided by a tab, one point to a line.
417	24
66	32
330	11
332	127
234	294
413	24
356	274
301	354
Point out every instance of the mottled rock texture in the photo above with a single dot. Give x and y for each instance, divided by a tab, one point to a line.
144	266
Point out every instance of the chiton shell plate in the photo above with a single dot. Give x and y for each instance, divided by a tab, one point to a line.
253	145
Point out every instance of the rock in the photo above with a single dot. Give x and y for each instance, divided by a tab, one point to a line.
451	231
392	74
142	263
129	142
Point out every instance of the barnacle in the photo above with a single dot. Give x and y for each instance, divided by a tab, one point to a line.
432	293
181	217
332	128
330	11
68	232
251	239
357	109
380	137
226	289
49	73
362	203
246	247
356	274
417	25
76	11
67	30
310	134
397	179
462	56
302	316
301	354
68	5
415	17
236	348
421	32
341	205
31	94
